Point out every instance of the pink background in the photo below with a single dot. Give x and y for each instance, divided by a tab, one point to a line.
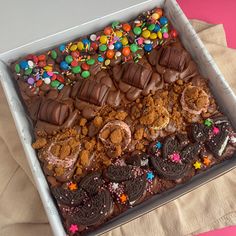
216	12
213	11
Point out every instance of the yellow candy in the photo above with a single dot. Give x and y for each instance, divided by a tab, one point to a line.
124	41
48	68
80	46
159	34
153	36
155	16
103	39
118	33
107	62
146	34
73	47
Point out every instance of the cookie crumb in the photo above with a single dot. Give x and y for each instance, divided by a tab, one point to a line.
39	143
116	136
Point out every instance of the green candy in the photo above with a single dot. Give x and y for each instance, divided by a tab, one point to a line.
90	61
103	48
54	54
17	68
85	74
151	27
115	24
164	30
137	30
55	83
28	71
134	47
76	69
69	59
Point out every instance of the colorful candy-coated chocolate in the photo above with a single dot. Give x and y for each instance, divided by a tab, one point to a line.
115	24
146	34
124	41
80	46
75	54
42	57
126	27
55	83
110	54
30	81
93	37
137	30
47	80
17	68
60	78
64	65
108	30
119	34
24	65
163	20
69	59
118	45
76	69
164	29
85	74
103	39
155	16
85	42
100	59
74	63
126	51
173	33
134	47
165	35
62	47
157	28
140	41
42	63
85	66
118	54
151	27
45	74
39	83
73	47
159	11
148	47
53	54
111	47
153	36
30	64
28	71
103	48
107	62
90	61
159	34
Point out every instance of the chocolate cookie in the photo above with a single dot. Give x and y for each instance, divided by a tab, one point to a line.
91	183
190	152
170	146
118	173
135	188
199	132
94	211
137	159
69	197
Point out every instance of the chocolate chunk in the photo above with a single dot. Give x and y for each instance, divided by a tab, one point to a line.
136	75
218	142
91	183
173	58
135	188
168	169
170	146
94	211
53	112
118	173
190	152
199	132
93	92
69	197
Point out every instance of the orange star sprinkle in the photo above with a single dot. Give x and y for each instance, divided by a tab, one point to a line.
73	186
206	161
123	198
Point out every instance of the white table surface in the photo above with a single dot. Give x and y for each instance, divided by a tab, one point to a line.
23	21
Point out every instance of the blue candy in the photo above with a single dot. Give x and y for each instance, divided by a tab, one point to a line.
24	65
118	45
62	47
157	28
85	41
148	47
64	65
163	20
100	59
45	74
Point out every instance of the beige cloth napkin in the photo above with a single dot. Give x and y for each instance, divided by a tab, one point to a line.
210	206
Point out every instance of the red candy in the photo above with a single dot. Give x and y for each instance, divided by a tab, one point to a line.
60	79
54	77
42	57
29	57
35	59
85	66
173	33
42	63
39	83
159	11
110	54
94	45
126	27
108	31
75	54
74	63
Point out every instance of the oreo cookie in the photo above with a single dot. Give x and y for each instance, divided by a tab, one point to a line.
199	132
218	142
137	159
118	173
135	188
94	211
168	169
170	146
190	152
69	197
91	183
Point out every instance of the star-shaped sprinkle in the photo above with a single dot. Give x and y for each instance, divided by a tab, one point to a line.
150	175
197	165
73	186
73	228
206	161
158	145
215	130
123	198
115	186
175	157
208	122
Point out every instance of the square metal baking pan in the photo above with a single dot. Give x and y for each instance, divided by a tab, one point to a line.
222	92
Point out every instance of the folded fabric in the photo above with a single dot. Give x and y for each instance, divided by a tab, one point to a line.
208	207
